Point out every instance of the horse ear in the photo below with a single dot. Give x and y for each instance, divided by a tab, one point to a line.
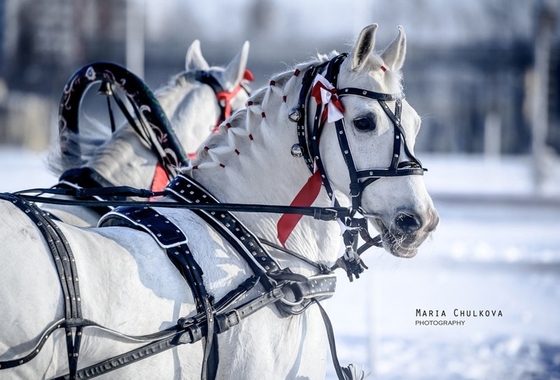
235	70
194	59
394	54
364	46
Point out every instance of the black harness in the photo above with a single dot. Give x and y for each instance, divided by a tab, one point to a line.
152	126
291	293
68	276
149	121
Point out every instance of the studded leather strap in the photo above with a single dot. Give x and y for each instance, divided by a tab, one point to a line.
68	275
243	240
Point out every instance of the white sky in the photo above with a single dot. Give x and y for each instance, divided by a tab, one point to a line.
440	21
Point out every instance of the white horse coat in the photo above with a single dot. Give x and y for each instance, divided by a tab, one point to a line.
128	284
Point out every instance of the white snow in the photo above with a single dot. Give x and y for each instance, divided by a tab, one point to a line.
497	249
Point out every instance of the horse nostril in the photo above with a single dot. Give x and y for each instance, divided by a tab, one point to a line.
407	223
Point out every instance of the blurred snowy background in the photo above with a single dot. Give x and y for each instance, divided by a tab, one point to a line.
484	74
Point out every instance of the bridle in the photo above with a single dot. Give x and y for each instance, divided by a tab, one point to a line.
309	136
308	147
223	96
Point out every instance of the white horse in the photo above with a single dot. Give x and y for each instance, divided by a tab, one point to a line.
194	101
128	284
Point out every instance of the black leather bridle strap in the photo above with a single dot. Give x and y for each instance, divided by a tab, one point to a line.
367	94
396	168
300	113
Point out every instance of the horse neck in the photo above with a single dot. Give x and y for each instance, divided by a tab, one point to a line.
249	161
125	160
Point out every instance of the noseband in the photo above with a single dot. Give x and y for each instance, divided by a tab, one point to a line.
309	136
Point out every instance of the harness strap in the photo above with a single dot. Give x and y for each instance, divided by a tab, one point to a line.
294	295
86	177
241	238
174	241
343	373
67	274
193	329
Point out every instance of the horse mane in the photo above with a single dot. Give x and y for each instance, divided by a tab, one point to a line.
174	84
243	125
241	128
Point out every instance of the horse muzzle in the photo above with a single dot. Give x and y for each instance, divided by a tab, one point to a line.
405	231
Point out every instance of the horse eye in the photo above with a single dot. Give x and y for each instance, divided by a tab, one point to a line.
364	124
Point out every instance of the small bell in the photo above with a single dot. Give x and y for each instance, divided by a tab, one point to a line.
105	89
297	150
294	115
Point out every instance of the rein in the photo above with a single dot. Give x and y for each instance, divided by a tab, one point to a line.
319	213
291	292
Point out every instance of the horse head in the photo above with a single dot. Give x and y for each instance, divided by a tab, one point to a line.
197	100
377	155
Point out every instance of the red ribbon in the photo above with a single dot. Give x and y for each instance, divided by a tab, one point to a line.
225	97
318	93
305	197
324	93
160	180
